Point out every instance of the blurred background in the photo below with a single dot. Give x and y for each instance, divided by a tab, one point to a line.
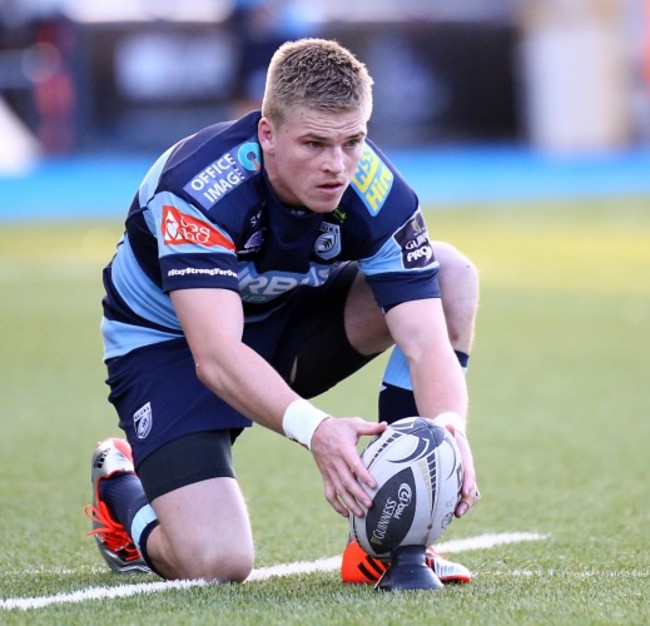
524	127
555	89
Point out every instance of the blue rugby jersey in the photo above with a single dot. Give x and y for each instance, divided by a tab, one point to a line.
206	216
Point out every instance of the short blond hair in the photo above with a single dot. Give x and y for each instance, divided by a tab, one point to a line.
316	73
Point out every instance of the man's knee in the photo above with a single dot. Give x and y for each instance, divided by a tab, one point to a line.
207	558
204	532
459	284
217	563
457	272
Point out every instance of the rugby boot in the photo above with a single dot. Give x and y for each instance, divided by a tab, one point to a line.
359	567
112	456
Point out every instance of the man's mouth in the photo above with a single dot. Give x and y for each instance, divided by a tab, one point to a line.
331	186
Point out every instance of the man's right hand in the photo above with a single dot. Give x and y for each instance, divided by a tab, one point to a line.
334	446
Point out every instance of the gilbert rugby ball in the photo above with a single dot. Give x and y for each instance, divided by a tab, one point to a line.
419	475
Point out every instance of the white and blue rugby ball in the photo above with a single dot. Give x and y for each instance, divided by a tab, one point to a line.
419	476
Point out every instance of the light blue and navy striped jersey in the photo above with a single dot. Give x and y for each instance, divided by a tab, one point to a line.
206	216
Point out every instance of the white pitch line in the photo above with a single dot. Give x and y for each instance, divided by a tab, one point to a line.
546	573
97	593
489	540
481	542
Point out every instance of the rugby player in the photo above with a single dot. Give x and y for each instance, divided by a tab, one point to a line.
263	261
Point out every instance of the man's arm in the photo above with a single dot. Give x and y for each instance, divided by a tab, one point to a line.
419	329
213	323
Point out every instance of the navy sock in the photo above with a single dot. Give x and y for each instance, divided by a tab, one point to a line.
463	359
395	403
143	546
124	497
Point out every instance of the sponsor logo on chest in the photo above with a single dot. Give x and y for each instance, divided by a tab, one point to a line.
179	228
226	173
257	288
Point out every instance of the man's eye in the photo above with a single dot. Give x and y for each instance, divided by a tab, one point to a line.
356	141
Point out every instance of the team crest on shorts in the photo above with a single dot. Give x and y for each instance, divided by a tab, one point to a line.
143	421
328	244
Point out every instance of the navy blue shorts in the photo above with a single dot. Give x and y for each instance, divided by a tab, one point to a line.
159	398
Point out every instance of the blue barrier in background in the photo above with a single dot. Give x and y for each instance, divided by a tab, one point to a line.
103	185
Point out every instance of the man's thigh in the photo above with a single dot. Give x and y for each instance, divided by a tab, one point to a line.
159	398
186	460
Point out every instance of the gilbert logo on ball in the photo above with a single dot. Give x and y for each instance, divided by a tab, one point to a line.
419	475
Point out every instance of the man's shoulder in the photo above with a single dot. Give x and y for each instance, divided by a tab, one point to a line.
214	162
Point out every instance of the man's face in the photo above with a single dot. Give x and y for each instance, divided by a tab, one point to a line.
311	157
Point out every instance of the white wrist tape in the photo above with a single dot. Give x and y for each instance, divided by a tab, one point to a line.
453	419
300	421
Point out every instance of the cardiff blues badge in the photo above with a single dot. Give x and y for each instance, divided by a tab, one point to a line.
143	421
328	243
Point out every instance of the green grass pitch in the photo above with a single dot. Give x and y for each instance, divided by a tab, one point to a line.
559	422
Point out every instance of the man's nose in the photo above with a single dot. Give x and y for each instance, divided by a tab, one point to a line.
334	160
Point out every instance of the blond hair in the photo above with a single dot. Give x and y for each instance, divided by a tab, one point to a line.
316	73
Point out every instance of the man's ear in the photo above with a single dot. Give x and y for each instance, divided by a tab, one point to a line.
266	135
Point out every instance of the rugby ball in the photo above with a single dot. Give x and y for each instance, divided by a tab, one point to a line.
419	475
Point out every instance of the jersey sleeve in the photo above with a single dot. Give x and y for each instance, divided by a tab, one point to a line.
193	250
404	267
